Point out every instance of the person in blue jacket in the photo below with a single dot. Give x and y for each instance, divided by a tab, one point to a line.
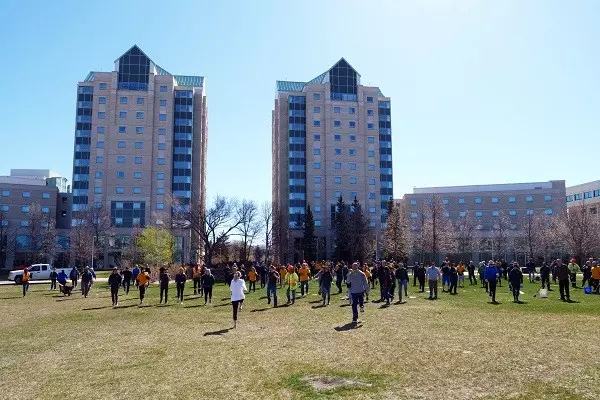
62	277
134	273
491	276
74	276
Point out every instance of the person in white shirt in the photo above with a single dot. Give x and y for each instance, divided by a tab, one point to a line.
238	289
433	275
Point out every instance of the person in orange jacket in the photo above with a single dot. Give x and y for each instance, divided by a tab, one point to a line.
252	278
304	274
25	280
196	276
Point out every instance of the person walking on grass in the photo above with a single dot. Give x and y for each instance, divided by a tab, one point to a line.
272	280
114	282
358	287
53	276
134	274
142	281
460	269
563	275
127	276
238	294
573	270
481	272
74	277
515	278
471	270
433	276
453	277
86	281
304	275
282	273
367	271
403	279
291	281
545	276
25	280
262	273
325	281
180	279
208	281
421	271
384	277
530	267
163	279
196	276
252	278
339	277
587	273
414	273
491	276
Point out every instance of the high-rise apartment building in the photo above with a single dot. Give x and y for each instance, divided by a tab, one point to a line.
140	141
332	137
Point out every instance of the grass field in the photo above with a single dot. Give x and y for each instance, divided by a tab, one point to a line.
458	347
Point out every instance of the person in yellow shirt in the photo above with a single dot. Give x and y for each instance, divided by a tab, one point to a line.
25	280
252	277
282	273
595	281
143	280
304	274
196	277
461	274
291	280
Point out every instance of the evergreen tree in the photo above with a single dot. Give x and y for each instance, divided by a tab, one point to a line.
308	241
341	228
360	232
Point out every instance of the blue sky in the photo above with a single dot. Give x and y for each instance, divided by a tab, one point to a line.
482	91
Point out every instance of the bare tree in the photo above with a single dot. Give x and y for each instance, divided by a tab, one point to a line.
248	215
465	230
42	234
132	251
578	228
396	238
282	243
439	233
266	215
539	233
500	236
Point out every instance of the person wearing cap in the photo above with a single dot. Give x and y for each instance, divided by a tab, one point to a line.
573	270
114	282
238	294
291	280
208	281
272	280
25	280
180	279
304	275
358	286
491	276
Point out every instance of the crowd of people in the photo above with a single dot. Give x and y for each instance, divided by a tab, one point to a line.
358	280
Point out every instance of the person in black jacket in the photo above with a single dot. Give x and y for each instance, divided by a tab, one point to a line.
207	281
86	281
587	273
545	275
515	278
325	281
414	271
453	275
53	276
164	280
339	277
421	277
127	276
114	281
272	280
402	277
180	279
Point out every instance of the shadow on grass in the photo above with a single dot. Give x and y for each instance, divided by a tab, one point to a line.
571	301
345	305
95	308
385	306
164	305
9	298
260	309
217	333
494	303
319	306
348	327
222	305
283	305
195	306
64	298
226	298
315	301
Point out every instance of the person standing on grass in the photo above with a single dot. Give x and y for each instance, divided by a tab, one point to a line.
587	273
180	279
238	294
339	277
25	280
53	276
573	270
282	273
421	271
272	280
291	281
262	272
252	278
481	272
384	283
445	275
358	287
453	277
196	276
414	273
367	271
491	276
208	281
471	270
163	279
545	275
433	276
530	267
515	277
325	281
114	282
554	272
127	276
563	275
143	280
74	276
595	277
134	274
304	275
86	281
500	268
374	275
460	269
403	279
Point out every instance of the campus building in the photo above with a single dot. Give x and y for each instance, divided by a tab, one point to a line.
587	194
32	204
487	205
331	137
140	148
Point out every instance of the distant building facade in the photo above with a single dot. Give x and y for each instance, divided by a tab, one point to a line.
587	194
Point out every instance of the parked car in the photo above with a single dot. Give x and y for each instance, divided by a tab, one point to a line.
38	272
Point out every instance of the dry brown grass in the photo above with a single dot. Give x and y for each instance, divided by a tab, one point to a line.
457	347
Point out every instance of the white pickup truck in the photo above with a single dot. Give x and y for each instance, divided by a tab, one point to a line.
38	272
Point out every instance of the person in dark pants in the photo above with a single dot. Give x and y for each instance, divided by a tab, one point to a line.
339	277
433	276
25	280
563	275
127	276
374	275
383	273
114	282
180	279
530	267
196	276
164	279
325	280
358	287
86	281
402	277
74	276
208	281
142	280
272	280
587	273
545	275
53	276
262	272
515	277
238	294
414	271
471	270
573	270
453	276
491	276
421	277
